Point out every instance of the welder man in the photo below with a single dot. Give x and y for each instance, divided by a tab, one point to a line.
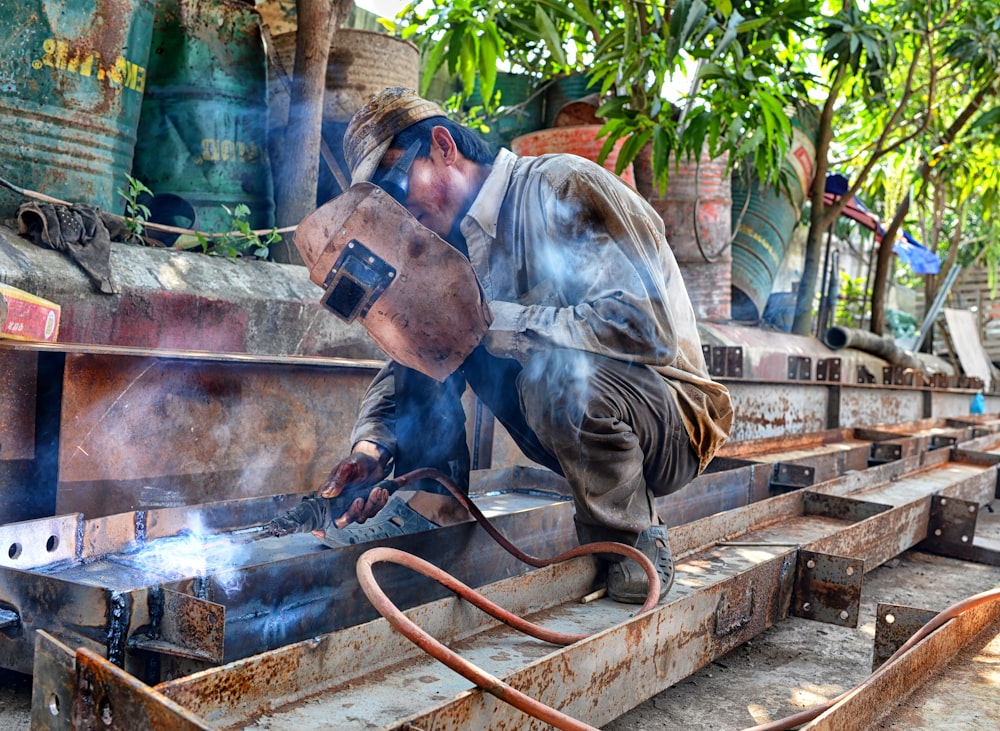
592	362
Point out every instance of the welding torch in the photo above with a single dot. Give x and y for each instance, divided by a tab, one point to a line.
316	512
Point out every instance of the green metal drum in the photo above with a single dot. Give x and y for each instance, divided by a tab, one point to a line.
72	75
203	131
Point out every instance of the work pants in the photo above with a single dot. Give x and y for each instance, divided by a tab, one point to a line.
611	428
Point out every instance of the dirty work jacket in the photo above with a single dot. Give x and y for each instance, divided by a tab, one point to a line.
570	257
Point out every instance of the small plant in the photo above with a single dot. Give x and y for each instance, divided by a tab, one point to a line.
136	214
240	240
853	301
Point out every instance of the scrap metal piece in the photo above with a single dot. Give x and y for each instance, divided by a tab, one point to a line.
894	625
182	626
110	699
828	588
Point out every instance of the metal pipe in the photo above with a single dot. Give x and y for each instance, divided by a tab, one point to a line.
838	337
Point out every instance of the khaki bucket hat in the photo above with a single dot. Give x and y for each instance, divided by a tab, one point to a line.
372	128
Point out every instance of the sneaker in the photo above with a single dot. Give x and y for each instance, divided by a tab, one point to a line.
395	519
627	582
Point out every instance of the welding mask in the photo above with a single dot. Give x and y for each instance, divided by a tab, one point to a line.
415	294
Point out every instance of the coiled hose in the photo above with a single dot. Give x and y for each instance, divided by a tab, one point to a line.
491	684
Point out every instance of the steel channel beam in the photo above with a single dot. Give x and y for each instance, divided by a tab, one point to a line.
876	698
150	432
725	594
277	592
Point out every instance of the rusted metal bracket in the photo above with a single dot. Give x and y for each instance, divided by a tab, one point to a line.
828	369
183	626
940	441
799	368
951	531
865	375
897	375
828	588
110	699
894	625
53	679
788	477
882	452
724	361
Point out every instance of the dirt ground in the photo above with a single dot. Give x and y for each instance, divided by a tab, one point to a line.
793	666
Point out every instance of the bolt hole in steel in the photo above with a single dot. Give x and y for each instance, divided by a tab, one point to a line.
844	614
937	531
807	607
54	704
890	618
107	716
52	543
14	551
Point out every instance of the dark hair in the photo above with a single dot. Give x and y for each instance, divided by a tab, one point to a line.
472	146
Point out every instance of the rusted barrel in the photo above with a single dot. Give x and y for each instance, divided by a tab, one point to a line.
695	207
764	220
203	131
72	76
580	140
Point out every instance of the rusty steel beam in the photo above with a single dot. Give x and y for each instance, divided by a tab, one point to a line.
882	696
736	575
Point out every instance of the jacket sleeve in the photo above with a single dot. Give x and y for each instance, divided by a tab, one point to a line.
590	267
376	421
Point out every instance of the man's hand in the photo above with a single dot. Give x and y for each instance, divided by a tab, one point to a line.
365	466
362	509
357	470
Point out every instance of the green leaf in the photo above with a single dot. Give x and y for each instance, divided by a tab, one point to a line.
988	119
488	56
434	61
553	41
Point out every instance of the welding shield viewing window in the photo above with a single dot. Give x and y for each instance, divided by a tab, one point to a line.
396	180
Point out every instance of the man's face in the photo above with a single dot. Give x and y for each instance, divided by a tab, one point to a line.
430	184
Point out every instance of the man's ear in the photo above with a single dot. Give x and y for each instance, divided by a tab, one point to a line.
444	143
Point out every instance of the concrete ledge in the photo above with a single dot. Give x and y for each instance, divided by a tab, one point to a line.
185	300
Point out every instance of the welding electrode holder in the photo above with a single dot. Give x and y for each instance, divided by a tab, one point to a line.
318	513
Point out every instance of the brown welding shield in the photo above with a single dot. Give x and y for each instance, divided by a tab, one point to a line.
415	294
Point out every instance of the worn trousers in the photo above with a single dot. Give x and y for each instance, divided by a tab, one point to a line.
610	427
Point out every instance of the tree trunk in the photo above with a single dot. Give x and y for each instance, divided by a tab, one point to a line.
820	217
883	263
318	21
